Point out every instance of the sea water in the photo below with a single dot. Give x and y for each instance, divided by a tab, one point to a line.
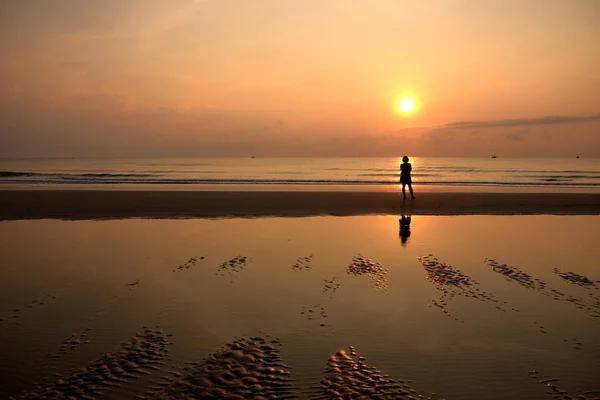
498	172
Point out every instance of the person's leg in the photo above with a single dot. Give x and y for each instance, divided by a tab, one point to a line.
411	191
404	190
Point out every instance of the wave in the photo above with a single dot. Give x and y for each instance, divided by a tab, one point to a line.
274	174
561	177
118	179
117	175
15	174
511	171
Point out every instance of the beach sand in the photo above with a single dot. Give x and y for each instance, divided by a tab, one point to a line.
115	204
449	307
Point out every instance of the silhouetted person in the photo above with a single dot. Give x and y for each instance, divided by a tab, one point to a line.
405	178
404	229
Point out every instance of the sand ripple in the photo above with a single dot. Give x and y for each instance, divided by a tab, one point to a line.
443	273
374	270
73	342
143	351
135	284
591	304
514	274
451	282
317	312
554	389
247	368
577	279
347	376
20	311
303	263
233	266
331	286
189	263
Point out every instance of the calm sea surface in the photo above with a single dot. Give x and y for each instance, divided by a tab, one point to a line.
533	172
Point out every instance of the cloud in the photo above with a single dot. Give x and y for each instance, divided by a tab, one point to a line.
551	120
517	135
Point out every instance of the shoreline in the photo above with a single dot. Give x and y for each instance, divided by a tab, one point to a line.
281	187
164	204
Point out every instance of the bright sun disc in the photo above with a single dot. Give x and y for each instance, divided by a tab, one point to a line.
407	105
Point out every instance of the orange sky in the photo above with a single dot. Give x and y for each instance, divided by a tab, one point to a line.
120	78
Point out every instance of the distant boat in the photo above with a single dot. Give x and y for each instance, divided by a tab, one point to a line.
493	156
252	157
577	156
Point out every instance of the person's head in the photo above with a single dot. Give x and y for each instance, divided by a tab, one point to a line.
405	159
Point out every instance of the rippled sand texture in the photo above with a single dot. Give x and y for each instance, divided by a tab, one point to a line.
303	263
73	342
305	283
515	275
331	286
144	351
249	368
348	376
317	312
22	310
374	270
590	305
233	267
576	279
192	262
451	282
554	389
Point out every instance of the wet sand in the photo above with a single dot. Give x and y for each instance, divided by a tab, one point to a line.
106	204
464	307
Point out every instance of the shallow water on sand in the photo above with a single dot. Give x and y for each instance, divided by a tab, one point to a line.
490	314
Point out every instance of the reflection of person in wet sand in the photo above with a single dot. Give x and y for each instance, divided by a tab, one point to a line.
404	229
405	178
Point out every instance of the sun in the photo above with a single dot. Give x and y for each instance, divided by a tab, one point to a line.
407	105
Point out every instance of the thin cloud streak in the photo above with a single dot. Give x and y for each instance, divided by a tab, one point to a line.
551	120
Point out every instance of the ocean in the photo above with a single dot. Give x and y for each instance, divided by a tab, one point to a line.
498	172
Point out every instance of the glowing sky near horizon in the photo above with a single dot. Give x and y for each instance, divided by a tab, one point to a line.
288	77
